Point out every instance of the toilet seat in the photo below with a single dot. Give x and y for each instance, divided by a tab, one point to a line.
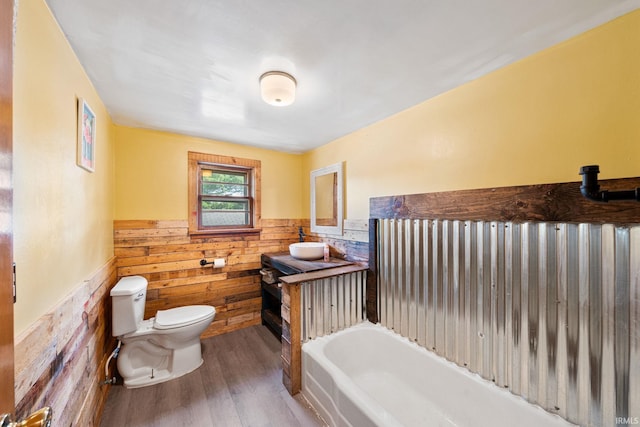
182	316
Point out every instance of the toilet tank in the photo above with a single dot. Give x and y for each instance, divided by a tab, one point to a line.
128	298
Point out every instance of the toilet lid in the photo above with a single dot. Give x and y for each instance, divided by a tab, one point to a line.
182	316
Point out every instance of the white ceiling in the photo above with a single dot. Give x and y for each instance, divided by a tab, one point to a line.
192	66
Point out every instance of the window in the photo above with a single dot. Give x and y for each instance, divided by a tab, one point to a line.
224	194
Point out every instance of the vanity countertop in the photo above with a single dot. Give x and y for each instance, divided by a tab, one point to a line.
287	264
296	279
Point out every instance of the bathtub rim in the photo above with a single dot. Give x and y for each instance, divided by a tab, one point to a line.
366	402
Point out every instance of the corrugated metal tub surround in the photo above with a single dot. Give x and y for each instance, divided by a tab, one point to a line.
332	304
550	311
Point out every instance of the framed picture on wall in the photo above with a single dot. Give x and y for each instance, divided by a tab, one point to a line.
86	136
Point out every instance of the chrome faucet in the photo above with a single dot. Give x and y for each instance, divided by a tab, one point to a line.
301	234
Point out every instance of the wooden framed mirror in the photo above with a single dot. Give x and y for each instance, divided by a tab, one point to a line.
326	200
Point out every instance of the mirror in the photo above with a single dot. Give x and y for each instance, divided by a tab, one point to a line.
326	200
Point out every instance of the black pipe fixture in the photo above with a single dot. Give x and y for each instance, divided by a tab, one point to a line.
591	190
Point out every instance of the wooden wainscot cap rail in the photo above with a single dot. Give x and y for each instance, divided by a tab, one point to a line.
296	279
560	202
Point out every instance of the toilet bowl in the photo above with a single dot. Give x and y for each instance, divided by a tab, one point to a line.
161	348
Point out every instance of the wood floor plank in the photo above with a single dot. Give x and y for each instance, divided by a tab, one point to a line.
239	385
221	404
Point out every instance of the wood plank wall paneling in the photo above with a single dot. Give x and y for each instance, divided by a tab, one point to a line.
165	254
61	357
169	258
352	245
561	202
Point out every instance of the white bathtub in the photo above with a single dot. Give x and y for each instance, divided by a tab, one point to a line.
369	376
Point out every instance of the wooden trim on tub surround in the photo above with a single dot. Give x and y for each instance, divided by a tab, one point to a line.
291	350
371	291
560	202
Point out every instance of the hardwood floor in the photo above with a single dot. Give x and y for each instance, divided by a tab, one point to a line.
239	384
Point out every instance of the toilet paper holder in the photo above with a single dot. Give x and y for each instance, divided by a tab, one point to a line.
217	262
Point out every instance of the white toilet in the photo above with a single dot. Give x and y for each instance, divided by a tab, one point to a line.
161	348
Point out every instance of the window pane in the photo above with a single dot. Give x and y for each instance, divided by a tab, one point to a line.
224	176
217	189
241	205
216	213
209	175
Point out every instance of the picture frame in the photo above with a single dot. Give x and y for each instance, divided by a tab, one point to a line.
86	136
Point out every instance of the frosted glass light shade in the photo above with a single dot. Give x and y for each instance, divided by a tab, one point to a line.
278	88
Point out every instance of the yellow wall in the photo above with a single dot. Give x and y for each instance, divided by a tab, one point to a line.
535	121
151	178
63	215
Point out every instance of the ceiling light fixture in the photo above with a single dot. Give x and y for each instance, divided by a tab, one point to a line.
278	88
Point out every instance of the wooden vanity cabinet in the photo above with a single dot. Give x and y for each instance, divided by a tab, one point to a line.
271	292
285	320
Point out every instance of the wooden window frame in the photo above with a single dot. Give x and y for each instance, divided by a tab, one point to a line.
196	161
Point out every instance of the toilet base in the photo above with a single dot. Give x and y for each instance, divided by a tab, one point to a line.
142	362
158	377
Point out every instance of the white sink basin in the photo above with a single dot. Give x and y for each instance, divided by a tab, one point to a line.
307	250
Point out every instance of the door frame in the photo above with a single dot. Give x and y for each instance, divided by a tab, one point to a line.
7	393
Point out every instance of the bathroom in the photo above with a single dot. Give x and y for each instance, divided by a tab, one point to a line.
535	121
